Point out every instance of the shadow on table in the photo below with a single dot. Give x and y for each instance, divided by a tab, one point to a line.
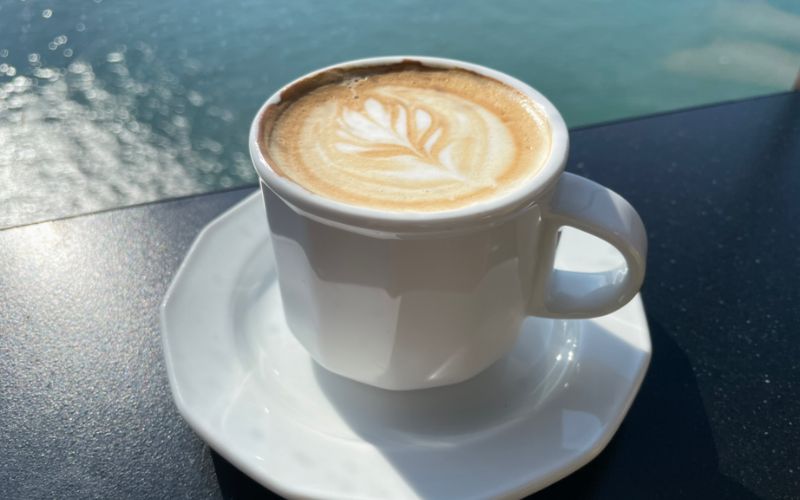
664	448
234	484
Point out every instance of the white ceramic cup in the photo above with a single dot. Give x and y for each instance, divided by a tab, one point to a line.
409	300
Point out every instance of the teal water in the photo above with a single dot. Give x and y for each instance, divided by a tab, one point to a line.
106	103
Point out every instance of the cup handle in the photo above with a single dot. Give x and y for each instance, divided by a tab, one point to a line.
578	202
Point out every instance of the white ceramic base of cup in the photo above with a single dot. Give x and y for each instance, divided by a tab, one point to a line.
248	388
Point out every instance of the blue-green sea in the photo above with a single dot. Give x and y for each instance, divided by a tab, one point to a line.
105	103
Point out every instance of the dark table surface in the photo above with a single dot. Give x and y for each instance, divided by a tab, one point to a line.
86	412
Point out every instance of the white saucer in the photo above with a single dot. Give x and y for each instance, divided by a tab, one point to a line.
249	389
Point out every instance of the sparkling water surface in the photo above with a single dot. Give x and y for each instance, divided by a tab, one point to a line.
107	103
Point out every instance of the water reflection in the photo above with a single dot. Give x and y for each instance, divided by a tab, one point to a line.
124	102
758	43
70	141
83	129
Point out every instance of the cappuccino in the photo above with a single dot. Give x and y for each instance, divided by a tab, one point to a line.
405	137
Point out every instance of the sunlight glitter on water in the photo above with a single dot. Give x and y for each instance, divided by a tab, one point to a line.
83	146
104	104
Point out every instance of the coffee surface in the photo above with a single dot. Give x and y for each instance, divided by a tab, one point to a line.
408	139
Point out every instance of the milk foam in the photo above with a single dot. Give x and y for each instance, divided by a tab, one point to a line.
408	140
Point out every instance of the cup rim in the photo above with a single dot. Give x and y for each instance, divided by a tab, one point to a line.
372	220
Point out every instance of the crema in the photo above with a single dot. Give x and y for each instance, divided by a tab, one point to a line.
405	137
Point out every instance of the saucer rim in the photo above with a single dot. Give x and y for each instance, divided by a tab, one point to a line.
195	423
526	484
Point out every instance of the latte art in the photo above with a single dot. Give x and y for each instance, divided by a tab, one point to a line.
422	135
403	135
408	140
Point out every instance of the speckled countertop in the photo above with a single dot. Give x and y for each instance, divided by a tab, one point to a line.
85	410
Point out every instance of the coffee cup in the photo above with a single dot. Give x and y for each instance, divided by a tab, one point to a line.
414	205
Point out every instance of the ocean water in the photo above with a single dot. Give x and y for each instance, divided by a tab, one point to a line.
107	103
